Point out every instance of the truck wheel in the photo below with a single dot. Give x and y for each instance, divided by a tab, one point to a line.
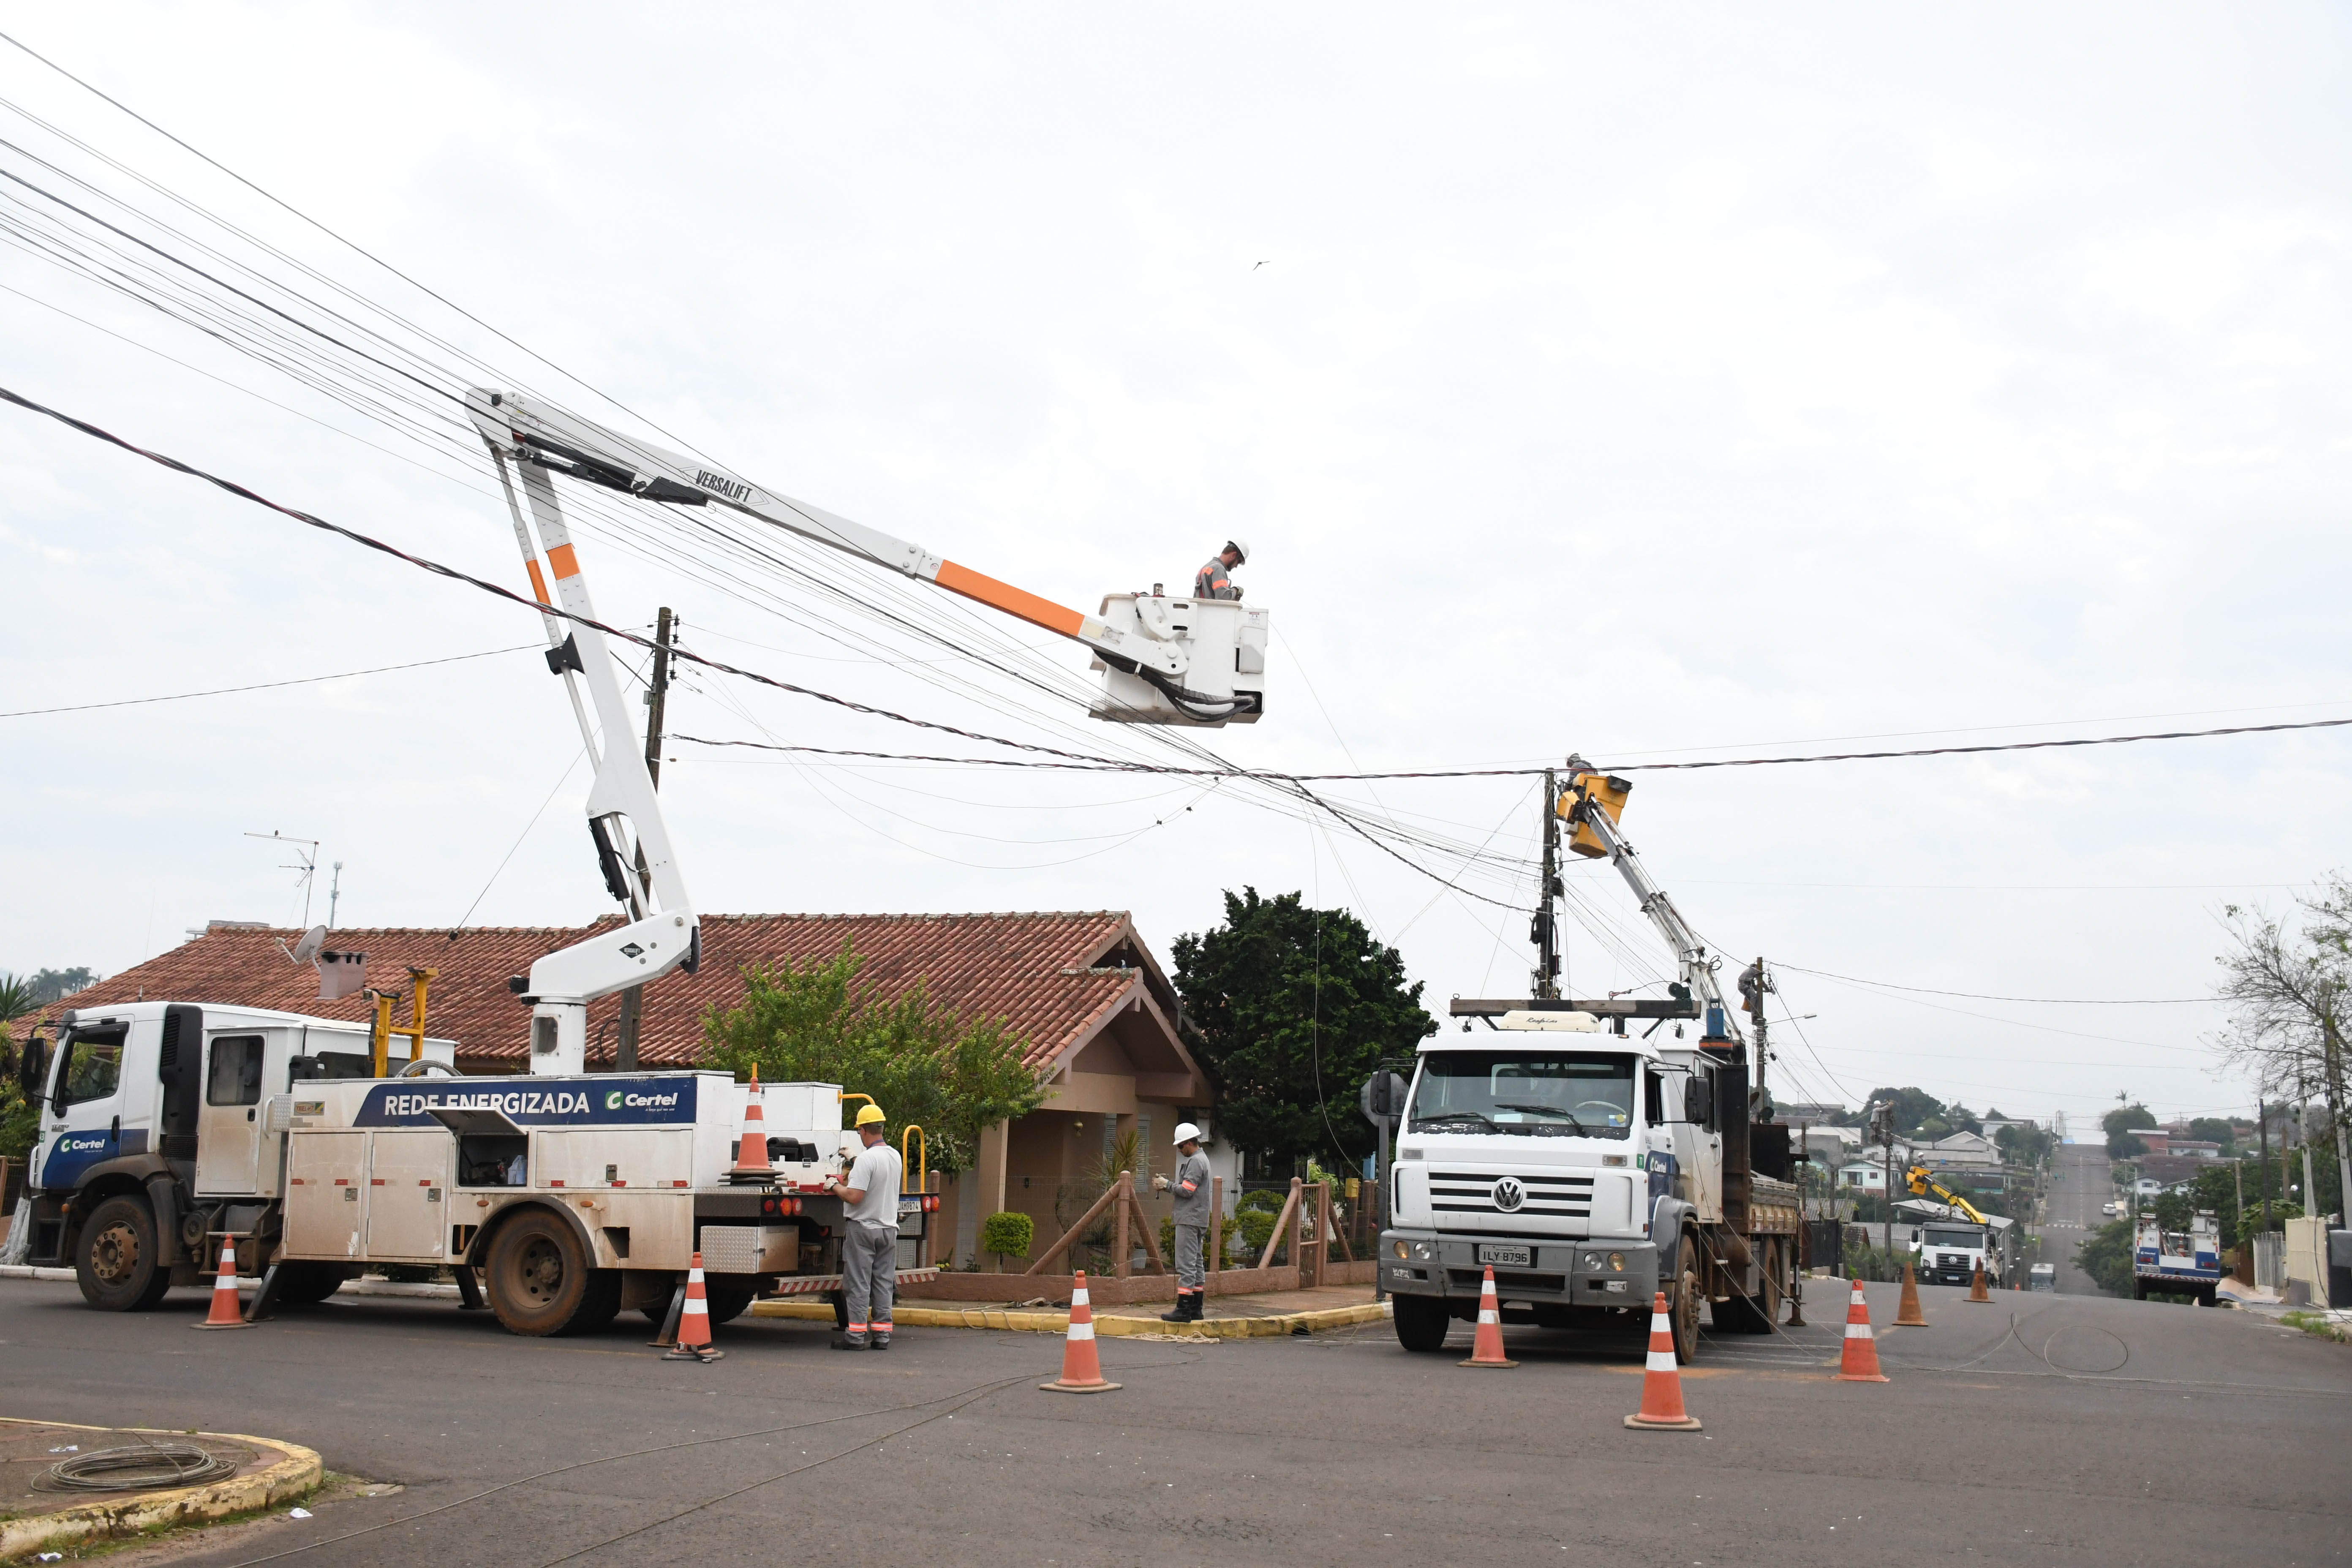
726	1300
115	1259
307	1284
1421	1323
1682	1307
540	1281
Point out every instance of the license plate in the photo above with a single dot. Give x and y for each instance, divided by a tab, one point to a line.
1513	1256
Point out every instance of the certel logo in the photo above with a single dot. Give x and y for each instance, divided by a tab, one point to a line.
613	1099
69	1145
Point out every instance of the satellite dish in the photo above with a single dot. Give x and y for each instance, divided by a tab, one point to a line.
308	948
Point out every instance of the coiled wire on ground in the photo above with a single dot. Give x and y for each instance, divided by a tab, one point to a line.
144	1467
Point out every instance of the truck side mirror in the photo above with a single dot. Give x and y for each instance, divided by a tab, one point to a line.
33	1067
1699	1098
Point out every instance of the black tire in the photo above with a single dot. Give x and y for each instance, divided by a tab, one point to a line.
725	1300
2139	1290
115	1258
307	1284
540	1281
840	1310
1421	1323
1682	1306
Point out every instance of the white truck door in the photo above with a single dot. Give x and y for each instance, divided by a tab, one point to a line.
326	1194
85	1116
407	1195
228	1118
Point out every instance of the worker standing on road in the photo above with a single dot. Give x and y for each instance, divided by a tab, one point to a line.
1214	580
1190	1186
869	1240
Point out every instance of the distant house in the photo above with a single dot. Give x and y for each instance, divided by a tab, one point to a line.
1096	1010
1962	1151
1862	1176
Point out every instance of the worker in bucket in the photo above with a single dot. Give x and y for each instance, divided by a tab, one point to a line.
869	1240
1190	1187
1215	580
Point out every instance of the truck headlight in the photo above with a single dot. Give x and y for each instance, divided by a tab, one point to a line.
1591	1261
1424	1250
1617	1263
1400	1249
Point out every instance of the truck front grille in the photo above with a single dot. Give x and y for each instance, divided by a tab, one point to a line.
1466	1192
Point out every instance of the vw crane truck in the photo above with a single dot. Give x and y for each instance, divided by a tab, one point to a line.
1588	1168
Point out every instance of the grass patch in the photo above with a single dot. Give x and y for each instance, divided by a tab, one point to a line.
2319	1325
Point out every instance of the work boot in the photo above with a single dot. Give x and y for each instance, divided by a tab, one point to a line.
850	1342
1198	1308
881	1342
1183	1311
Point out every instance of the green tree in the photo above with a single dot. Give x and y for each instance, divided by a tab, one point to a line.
1914	1108
20	1119
2214	1129
2123	1118
2107	1257
1288	1009
55	984
2123	1145
921	1062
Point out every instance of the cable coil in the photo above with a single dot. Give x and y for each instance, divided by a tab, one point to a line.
145	1467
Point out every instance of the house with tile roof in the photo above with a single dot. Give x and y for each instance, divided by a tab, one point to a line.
1081	988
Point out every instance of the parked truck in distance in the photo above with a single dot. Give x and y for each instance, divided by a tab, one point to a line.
1952	1250
170	1129
2177	1262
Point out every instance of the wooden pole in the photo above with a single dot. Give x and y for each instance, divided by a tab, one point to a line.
1217	1224
1289	1212
1322	1248
1125	1187
1151	1234
1071	1235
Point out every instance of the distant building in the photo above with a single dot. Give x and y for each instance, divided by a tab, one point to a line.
1862	1176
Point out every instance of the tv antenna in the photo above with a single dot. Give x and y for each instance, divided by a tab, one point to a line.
306	860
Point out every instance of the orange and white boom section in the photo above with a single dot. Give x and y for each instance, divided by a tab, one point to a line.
1163	660
633	843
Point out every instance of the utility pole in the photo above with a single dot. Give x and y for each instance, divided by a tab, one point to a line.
632	1000
2262	1142
2332	1067
334	894
1544	931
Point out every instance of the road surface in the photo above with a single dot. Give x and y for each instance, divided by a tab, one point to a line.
2079	1184
2064	1429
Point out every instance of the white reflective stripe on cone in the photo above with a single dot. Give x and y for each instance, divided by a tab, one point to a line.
1660	1361
696	1310
1082	1330
1487	1315
1078	1297
1857	1330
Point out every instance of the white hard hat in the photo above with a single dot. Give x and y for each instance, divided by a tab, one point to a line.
1186	1132
1239	547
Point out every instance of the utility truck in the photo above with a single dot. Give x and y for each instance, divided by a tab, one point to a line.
1963	1240
1589	1168
2177	1262
170	1129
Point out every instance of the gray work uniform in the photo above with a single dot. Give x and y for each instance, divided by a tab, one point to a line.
1189	1188
1213	582
869	1241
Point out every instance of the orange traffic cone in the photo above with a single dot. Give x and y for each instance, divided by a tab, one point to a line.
1976	1291
1081	1367
752	1155
1861	1361
225	1312
694	1322
1486	1349
1907	1314
1662	1386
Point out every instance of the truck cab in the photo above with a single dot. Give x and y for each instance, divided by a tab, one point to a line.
154	1141
1584	1168
1952	1250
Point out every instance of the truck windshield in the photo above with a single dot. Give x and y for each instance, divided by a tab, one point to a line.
93	1064
1543	1094
1954	1236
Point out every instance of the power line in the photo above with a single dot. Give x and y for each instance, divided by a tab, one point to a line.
1981	996
271	685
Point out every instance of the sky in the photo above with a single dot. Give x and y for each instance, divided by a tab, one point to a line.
1657	387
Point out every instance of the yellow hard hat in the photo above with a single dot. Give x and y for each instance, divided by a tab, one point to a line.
870	1115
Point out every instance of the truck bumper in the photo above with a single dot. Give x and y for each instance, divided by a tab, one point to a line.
1605	1272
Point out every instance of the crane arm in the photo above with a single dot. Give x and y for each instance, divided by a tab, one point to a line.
1921	1183
524	429
1591	803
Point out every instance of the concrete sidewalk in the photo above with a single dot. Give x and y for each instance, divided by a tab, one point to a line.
269	1471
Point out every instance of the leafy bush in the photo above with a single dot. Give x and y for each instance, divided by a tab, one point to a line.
2107	1257
1263	1200
1008	1235
1256	1227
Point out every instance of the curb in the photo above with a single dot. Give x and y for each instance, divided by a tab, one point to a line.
291	1477
1106	1326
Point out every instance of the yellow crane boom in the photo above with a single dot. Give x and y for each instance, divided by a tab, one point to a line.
1921	1183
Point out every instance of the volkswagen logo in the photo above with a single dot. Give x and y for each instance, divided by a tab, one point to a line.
1510	1194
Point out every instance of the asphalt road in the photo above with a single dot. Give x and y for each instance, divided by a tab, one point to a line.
2080	1184
2038	1428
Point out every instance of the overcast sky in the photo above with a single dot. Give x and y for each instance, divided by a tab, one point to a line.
1725	385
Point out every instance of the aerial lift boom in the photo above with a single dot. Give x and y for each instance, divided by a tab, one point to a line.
1164	661
1921	1183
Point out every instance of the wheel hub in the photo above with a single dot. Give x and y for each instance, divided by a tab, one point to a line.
115	1254
540	1270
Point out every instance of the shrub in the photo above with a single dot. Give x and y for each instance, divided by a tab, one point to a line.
1263	1200
1256	1227
1007	1234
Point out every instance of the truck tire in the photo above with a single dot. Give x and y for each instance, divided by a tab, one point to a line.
307	1284
116	1257
1682	1306
725	1300
540	1280
1421	1323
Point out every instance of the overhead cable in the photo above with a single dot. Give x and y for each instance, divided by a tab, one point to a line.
272	685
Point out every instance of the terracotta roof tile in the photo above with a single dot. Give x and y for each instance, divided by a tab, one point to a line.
1036	971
